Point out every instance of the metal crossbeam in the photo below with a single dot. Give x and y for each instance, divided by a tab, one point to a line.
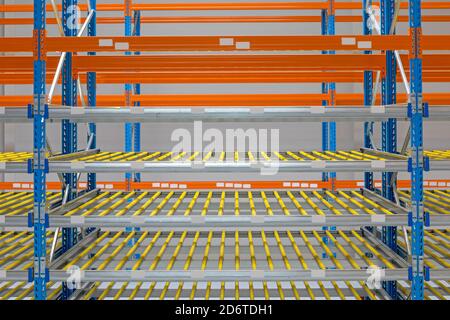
213	114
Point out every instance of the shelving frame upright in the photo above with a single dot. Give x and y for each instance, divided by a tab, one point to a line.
40	163
368	94
389	127
91	87
69	129
417	159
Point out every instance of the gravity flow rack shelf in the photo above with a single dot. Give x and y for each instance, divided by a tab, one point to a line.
259	231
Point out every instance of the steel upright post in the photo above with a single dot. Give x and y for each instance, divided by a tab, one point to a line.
39	164
70	16
128	87
325	135
92	94
137	91
389	129
389	91
417	159
368	87
332	87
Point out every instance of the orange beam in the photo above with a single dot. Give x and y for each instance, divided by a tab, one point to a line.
220	63
224	6
221	77
438	62
183	6
212	43
235	62
205	77
225	43
222	43
183	63
354	62
223	185
225	19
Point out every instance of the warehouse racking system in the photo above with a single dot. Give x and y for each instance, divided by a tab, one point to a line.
225	239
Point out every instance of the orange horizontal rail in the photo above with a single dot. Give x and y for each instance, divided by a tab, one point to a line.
221	63
184	6
248	62
208	43
224	6
236	62
221	77
223	185
255	62
225	19
182	63
204	100
225	43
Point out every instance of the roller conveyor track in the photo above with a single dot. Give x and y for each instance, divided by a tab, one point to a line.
437	242
437	255
16	253
121	156
21	203
275	162
223	203
15	156
224	250
226	210
244	250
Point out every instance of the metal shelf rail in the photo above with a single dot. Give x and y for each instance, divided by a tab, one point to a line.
369	53
220	113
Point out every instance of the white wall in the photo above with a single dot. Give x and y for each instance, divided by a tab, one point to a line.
157	136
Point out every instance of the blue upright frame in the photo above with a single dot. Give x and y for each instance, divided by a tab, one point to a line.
417	159
389	91
137	91
389	130
92	93
69	129
128	88
368	95
39	163
325	145
332	87
329	129
69	98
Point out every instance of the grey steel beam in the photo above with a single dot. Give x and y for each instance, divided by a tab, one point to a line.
390	205
74	251
72	204
213	223
231	275
376	242
223	167
241	166
225	275
383	154
222	223
185	114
